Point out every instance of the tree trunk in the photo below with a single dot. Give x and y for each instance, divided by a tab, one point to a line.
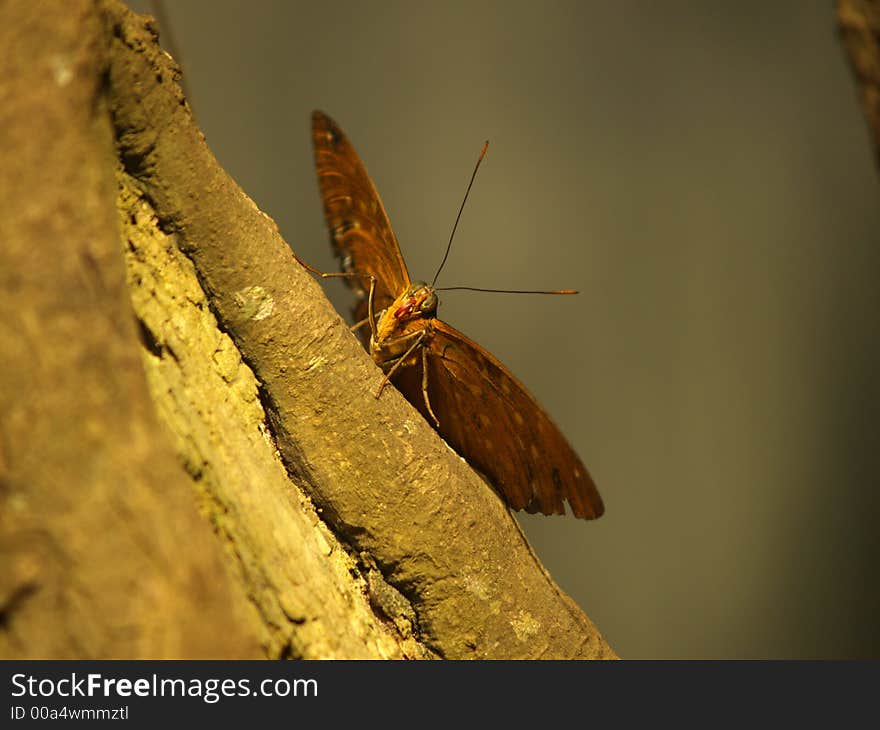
192	461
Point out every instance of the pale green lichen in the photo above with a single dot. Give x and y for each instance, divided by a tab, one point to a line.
255	302
525	626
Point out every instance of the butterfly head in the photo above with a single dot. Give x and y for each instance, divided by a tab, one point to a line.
419	301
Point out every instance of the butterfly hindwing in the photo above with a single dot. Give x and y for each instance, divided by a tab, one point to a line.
490	418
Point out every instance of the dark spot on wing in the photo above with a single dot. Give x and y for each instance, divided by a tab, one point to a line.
557	479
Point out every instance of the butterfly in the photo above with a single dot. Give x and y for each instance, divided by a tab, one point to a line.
466	394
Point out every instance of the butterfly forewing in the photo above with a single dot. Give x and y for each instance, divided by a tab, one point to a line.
484	412
490	418
360	232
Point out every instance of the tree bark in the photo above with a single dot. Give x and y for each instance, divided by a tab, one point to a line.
194	464
96	510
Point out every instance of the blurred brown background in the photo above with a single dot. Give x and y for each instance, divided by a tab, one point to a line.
702	173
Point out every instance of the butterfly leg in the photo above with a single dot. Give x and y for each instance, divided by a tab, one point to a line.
425	386
400	361
357	325
371	317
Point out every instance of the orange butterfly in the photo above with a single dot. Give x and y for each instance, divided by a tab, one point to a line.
474	402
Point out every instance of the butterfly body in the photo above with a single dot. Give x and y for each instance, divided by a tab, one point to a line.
470	398
407	315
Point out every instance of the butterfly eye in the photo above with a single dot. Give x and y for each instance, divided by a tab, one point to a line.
429	304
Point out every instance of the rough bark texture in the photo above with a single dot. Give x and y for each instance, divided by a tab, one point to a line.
859	23
261	392
310	595
96	511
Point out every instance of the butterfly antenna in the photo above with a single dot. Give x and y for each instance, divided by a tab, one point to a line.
458	217
509	291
